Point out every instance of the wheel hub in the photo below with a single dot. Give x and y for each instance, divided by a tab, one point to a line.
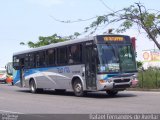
32	88
78	87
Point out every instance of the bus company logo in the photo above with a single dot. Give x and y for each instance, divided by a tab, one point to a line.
116	39
63	70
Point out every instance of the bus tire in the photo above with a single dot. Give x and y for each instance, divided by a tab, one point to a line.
32	86
78	88
111	92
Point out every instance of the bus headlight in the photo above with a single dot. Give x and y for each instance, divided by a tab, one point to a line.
102	81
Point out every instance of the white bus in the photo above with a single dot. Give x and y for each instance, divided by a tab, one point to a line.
98	63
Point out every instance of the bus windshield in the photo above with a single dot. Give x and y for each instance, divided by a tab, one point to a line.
116	58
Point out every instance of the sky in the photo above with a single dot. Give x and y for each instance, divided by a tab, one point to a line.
26	20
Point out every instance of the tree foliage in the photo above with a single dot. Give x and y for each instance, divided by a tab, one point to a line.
139	64
134	15
49	40
44	41
137	14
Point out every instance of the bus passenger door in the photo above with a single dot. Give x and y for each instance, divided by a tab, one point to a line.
90	68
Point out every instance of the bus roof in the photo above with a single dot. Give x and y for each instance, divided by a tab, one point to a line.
68	42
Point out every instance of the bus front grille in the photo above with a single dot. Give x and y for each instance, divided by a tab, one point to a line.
121	80
122	86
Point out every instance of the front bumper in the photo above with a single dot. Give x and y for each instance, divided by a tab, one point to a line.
112	85
118	82
117	85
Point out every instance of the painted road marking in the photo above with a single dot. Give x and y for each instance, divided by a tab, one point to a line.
5	111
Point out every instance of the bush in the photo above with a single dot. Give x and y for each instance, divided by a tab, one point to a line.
149	78
139	64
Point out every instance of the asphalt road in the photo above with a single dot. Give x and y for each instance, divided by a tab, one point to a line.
20	100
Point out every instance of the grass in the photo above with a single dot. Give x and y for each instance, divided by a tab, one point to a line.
149	79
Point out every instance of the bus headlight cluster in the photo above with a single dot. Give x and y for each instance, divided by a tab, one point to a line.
102	81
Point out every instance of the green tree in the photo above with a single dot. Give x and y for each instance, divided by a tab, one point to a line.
49	40
137	14
44	41
139	64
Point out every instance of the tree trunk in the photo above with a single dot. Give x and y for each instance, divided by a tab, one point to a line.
152	37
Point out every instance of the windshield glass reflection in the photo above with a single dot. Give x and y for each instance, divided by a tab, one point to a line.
115	58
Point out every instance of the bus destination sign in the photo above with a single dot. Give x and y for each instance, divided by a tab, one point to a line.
115	39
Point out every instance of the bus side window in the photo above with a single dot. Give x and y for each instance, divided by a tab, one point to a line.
26	61
37	60
62	55
40	59
75	54
50	57
16	62
32	60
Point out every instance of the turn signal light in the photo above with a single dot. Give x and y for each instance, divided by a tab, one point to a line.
102	81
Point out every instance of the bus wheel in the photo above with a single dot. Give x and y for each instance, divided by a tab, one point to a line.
33	86
78	88
112	92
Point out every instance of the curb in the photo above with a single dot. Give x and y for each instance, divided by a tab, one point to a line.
143	89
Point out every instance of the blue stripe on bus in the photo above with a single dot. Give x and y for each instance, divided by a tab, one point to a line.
109	76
